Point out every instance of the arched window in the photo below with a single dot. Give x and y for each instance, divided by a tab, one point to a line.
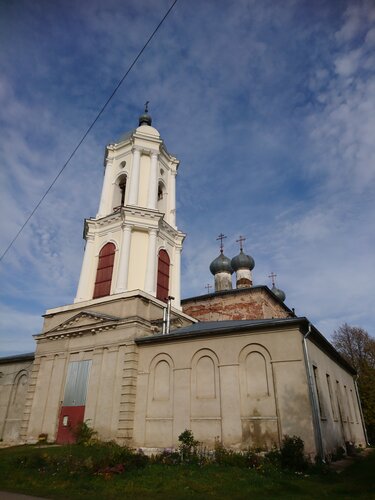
119	193
162	290
122	187
104	272
162	197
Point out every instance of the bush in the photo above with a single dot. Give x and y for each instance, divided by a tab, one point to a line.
95	458
83	433
292	455
167	457
188	446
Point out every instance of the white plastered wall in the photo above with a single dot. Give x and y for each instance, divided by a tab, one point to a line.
336	429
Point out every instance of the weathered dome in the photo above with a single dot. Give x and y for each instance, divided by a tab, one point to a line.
221	265
145	119
242	261
279	293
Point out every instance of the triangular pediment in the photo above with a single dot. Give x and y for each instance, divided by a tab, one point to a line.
84	319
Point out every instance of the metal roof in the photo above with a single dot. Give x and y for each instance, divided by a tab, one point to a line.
17	357
208	327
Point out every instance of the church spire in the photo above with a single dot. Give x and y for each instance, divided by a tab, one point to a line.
133	242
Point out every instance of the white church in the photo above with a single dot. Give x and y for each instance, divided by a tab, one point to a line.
140	365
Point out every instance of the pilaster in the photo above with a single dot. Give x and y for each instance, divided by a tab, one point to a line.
128	394
150	284
153	185
29	399
84	279
123	268
134	178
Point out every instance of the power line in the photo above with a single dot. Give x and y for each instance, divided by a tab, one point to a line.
89	129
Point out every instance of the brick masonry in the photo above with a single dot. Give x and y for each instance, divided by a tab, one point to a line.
245	303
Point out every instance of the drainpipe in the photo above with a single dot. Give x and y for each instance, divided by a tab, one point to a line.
313	398
164	320
360	410
169	298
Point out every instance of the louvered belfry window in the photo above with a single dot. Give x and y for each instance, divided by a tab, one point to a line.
104	272
162	290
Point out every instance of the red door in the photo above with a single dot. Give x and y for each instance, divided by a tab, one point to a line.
70	418
72	411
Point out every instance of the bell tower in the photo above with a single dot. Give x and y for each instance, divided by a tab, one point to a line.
133	242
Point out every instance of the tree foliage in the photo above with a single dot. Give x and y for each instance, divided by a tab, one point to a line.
358	348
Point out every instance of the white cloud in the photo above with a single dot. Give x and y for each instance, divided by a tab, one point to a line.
270	110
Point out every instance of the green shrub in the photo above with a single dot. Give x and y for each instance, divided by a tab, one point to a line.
273	457
292	455
188	446
83	433
92	458
223	456
167	457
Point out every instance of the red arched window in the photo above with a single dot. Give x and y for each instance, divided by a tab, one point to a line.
162	290
104	273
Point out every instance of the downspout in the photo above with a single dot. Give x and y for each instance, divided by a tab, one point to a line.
164	320
313	399
360	410
168	326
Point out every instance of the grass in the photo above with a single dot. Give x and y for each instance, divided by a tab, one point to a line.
24	470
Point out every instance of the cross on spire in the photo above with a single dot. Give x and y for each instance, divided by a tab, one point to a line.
240	240
208	286
272	276
146	106
221	237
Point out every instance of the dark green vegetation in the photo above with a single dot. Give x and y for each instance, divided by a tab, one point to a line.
358	348
108	471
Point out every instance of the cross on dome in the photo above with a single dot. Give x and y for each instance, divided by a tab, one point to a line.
272	276
240	240
221	237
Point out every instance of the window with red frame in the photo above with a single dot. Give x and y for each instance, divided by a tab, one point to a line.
104	272
162	290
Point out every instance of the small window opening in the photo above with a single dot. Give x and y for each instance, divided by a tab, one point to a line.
318	393
160	191
119	193
122	187
331	397
349	415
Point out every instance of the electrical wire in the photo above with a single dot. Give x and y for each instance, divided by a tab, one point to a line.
88	130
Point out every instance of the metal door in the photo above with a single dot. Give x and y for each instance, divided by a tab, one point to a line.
73	407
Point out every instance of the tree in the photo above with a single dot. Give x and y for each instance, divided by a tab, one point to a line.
358	348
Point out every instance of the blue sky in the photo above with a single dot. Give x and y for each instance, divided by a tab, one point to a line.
270	106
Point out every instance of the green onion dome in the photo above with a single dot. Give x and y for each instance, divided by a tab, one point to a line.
221	265
279	293
242	261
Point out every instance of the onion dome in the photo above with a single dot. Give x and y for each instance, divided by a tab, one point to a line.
221	265
145	119
279	293
242	261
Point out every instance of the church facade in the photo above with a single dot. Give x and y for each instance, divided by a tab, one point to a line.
141	366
